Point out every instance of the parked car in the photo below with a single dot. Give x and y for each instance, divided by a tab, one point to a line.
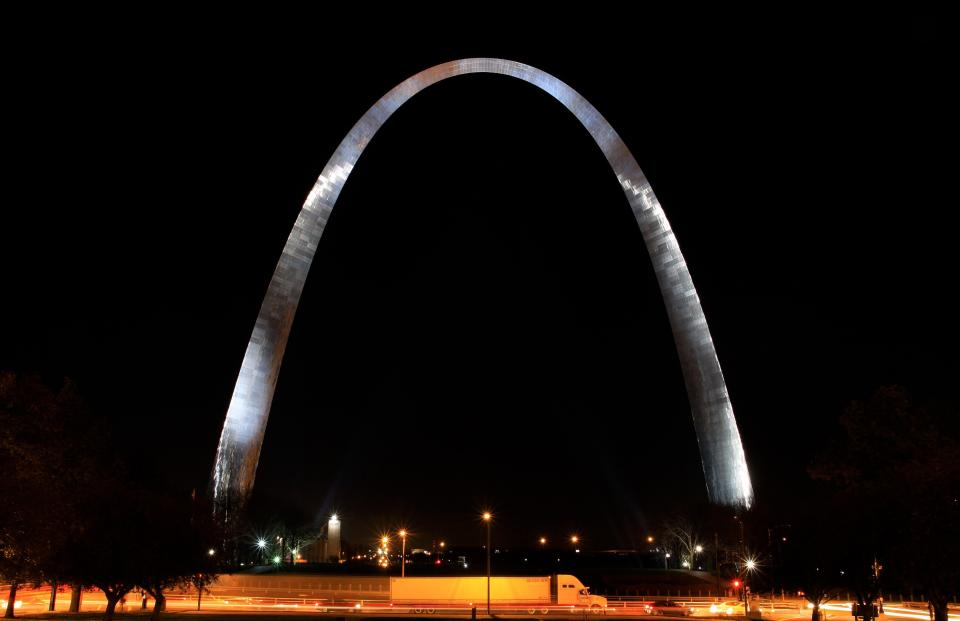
667	607
730	608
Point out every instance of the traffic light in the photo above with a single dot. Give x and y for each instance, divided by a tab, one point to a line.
736	584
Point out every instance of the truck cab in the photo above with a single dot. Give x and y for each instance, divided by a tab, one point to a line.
570	591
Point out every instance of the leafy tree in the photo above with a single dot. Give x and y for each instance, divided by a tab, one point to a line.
180	535
895	481
72	514
43	460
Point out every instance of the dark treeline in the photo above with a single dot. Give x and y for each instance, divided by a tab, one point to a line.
879	515
73	514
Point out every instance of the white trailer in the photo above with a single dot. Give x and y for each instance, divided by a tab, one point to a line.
527	592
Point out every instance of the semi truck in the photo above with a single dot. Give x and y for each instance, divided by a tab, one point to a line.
531	593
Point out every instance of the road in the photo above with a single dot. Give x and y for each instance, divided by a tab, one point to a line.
365	597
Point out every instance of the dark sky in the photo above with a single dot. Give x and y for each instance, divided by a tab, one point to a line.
481	326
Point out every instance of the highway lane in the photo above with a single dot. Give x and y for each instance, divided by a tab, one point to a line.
360	603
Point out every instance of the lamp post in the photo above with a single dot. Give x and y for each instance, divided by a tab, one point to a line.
749	566
262	547
403	553
716	560
487	517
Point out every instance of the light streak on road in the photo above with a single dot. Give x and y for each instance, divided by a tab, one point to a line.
896	612
36	601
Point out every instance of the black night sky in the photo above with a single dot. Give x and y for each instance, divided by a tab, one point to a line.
481	326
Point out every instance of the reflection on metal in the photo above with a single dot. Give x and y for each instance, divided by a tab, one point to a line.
724	464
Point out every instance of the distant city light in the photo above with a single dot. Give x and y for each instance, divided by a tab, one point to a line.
276	560
650	539
211	551
333	518
403	533
574	539
543	540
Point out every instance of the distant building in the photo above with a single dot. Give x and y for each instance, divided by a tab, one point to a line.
327	547
332	551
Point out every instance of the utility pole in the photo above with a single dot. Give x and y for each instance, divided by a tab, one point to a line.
716	560
487	516
743	572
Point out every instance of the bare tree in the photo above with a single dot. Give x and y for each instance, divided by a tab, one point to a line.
681	535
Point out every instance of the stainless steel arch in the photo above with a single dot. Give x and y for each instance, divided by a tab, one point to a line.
724	463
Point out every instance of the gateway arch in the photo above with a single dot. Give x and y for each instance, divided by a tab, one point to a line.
721	451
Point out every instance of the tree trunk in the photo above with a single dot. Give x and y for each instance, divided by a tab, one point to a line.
53	596
159	605
75	595
939	608
112	600
199	595
11	599
815	615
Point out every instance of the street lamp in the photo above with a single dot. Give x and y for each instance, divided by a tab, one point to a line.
666	557
488	517
262	547
749	566
543	541
403	553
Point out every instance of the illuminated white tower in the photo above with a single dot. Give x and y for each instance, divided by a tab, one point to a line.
333	538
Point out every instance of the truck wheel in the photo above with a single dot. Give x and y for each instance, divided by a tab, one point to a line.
430	611
544	611
418	610
531	611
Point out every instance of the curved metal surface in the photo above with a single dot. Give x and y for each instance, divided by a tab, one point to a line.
724	463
